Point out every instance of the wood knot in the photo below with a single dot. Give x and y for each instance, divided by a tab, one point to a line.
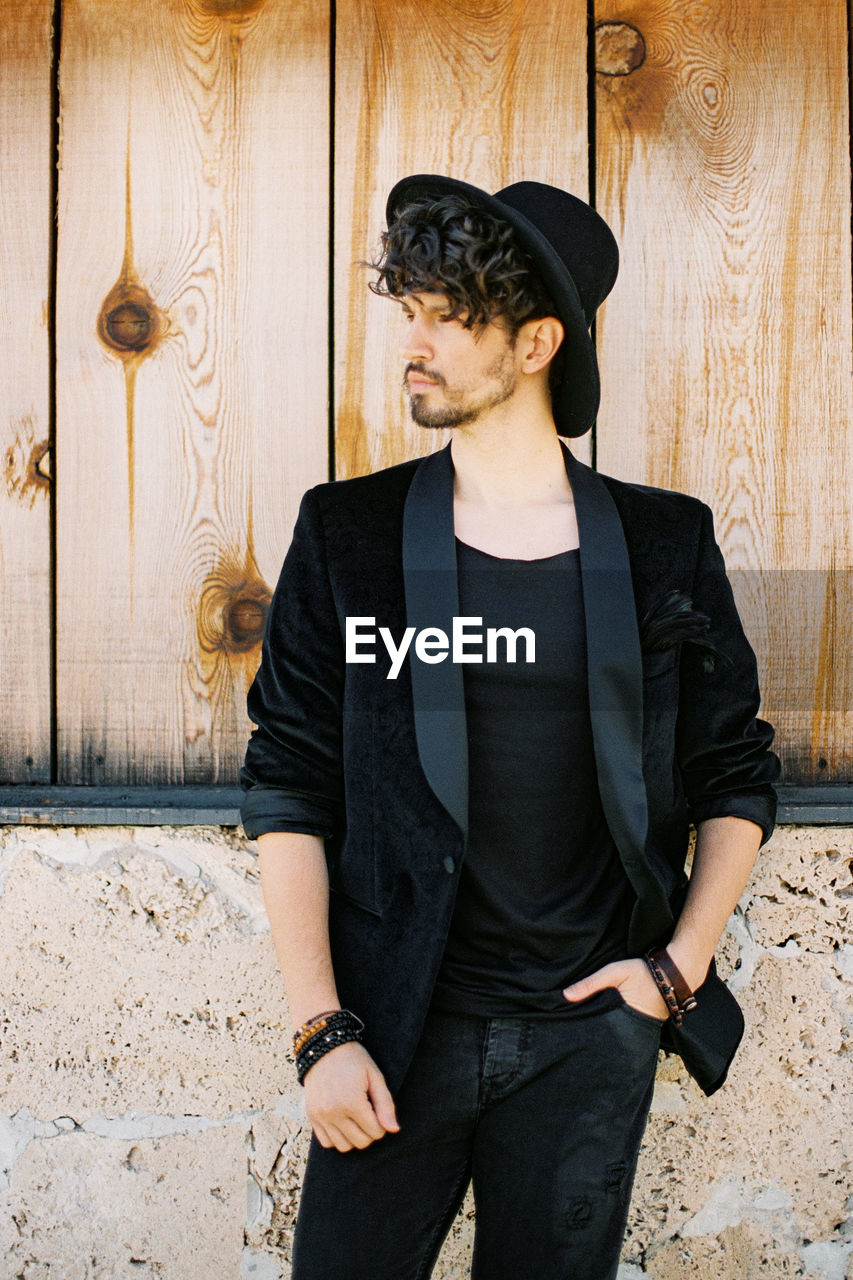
129	326
619	49
26	463
245	620
38	469
232	610
129	322
233	10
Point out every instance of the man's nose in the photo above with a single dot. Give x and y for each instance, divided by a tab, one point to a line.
416	344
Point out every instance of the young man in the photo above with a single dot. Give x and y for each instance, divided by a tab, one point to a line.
495	688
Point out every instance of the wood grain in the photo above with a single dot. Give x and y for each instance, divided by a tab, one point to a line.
192	366
25	219
491	93
723	167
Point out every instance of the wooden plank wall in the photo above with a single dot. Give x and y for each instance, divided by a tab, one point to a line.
25	234
191	322
723	167
192	332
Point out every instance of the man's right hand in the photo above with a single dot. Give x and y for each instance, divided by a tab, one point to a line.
347	1099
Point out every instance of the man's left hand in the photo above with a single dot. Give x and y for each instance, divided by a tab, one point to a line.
632	980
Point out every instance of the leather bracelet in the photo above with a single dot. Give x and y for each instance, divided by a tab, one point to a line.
670	982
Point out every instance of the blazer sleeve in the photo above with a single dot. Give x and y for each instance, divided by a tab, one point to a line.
726	763
292	775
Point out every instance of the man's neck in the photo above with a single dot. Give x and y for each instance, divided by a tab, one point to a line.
509	462
512	496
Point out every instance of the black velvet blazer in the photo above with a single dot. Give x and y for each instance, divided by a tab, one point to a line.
379	766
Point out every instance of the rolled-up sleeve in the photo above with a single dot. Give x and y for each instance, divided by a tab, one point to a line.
292	775
266	809
727	766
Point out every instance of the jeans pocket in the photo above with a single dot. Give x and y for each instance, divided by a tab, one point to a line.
647	1019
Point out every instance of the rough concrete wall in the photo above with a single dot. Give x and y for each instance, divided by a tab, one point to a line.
150	1125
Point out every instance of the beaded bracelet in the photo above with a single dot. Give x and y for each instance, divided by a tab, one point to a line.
329	1034
332	1018
671	984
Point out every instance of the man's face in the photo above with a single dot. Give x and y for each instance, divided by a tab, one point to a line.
453	375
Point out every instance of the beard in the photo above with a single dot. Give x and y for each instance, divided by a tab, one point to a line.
462	405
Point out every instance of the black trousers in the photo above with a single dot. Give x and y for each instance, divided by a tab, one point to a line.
544	1116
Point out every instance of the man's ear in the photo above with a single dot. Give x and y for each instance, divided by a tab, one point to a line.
541	339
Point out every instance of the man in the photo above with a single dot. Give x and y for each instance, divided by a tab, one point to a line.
495	687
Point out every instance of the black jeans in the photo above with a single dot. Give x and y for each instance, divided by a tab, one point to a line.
546	1117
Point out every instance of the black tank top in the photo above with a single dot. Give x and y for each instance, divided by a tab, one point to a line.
542	898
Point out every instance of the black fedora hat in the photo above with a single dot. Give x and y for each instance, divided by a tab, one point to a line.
577	257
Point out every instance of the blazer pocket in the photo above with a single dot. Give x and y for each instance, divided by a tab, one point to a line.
659	663
671	622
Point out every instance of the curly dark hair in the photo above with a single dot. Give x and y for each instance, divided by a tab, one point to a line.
447	244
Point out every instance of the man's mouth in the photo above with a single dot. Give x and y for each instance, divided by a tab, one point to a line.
416	380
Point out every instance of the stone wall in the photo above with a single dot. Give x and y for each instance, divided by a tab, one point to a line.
150	1124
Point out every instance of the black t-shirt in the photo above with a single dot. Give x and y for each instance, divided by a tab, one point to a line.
543	898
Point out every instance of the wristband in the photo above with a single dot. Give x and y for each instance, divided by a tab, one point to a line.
670	982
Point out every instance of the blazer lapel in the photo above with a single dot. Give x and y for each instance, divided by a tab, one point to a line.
615	678
432	600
